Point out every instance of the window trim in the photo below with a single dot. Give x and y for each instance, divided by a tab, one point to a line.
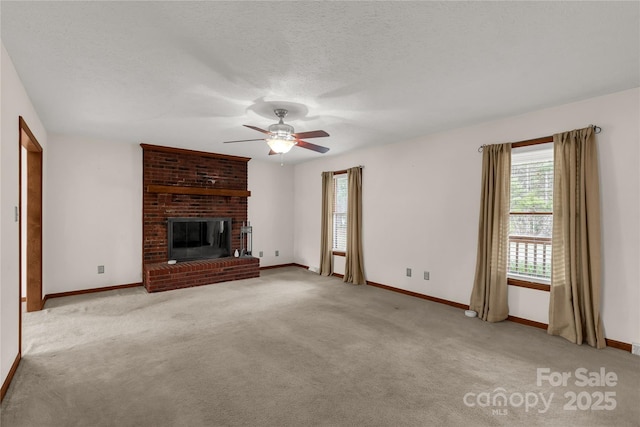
536	141
519	282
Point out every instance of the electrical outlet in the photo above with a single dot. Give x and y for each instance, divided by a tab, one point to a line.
100	269
635	348
277	253
260	254
426	275
408	272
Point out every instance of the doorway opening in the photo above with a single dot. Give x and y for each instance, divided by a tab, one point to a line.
30	219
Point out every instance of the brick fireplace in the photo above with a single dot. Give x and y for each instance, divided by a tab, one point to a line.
187	184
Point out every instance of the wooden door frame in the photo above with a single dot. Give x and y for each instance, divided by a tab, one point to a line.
33	262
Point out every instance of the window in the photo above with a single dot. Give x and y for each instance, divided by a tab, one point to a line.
340	190
531	216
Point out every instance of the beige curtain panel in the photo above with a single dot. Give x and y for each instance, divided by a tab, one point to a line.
354	263
489	294
326	229
574	308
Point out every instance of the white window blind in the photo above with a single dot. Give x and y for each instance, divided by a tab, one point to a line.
340	192
531	217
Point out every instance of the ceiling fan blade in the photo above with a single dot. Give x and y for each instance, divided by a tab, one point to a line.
243	140
310	146
310	134
258	129
271	152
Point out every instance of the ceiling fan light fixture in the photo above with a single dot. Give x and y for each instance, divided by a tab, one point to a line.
281	137
281	145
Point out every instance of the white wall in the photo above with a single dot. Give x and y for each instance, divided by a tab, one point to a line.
421	201
271	211
93	214
15	102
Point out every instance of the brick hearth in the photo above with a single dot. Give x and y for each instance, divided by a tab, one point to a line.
188	184
163	277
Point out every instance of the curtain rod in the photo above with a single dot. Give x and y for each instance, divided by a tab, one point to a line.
596	129
345	170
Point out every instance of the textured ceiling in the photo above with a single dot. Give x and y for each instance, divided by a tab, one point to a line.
189	74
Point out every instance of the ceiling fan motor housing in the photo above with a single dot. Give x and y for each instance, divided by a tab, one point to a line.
281	130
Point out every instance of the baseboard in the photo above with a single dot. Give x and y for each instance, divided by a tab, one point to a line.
291	264
619	345
610	343
528	322
411	293
269	267
418	295
89	291
7	381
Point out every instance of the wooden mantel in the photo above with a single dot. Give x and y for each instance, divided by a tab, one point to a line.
174	189
174	150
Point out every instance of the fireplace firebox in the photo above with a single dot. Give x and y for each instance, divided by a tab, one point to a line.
199	238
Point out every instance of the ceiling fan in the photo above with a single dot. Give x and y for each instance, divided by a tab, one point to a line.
281	137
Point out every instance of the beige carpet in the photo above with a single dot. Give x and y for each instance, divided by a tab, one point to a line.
294	349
